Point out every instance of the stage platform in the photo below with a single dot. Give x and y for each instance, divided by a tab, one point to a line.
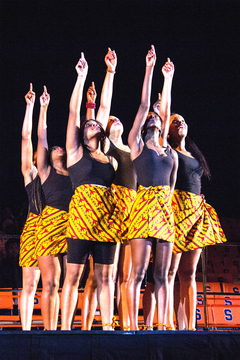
119	345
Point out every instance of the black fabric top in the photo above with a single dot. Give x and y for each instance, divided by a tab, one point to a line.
91	171
153	169
57	190
31	189
125	174
189	174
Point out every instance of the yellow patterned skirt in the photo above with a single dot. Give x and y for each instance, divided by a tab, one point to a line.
196	222
125	199
151	214
27	255
51	232
94	215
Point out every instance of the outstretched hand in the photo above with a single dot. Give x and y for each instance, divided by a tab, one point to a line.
91	94
151	57
82	66
168	69
30	96
156	105
45	98
111	60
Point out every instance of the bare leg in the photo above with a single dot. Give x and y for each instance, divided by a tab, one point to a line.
89	301
31	277
70	293
149	305
162	261
141	249
124	269
50	271
188	289
171	279
105	293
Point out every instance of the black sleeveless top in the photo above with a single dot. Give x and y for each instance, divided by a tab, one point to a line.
91	171
153	169
57	190
189	174
125	174
33	200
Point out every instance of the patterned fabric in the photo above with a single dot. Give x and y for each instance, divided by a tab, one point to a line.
94	215
151	214
125	198
51	232
197	223
27	255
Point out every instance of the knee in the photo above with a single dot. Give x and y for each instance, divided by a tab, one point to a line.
160	276
92	281
187	274
172	274
50	285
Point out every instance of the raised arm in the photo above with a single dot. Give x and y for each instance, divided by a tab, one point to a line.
42	148
72	141
27	149
134	139
91	102
165	103
156	105
107	89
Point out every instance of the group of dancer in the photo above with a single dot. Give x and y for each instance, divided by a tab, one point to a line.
115	206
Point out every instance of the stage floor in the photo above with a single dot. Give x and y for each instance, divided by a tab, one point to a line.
101	345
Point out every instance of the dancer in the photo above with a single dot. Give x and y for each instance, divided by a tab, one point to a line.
196	222
51	231
124	186
94	222
27	258
151	216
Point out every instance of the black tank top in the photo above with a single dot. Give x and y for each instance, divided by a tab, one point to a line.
189	174
91	171
57	190
33	199
125	174
153	169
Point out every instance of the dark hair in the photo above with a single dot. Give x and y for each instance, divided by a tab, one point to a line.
144	128
37	194
102	135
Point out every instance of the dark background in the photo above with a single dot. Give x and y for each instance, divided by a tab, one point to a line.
41	42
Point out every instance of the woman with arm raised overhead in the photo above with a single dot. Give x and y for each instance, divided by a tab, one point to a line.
151	215
94	223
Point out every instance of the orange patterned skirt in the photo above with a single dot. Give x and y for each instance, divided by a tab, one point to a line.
27	255
94	215
196	222
125	199
151	214
51	232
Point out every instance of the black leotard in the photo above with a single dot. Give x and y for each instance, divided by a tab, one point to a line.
125	174
189	174
153	169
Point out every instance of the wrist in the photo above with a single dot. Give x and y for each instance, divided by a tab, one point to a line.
111	71
90	105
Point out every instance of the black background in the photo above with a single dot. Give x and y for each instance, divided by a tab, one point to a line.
41	42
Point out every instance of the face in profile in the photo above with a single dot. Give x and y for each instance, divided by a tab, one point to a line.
178	128
114	124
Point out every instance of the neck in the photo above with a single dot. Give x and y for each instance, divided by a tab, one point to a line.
152	137
116	138
59	165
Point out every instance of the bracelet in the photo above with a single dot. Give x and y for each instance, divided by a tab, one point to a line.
90	105
111	71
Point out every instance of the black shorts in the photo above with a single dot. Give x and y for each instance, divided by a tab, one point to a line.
79	250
